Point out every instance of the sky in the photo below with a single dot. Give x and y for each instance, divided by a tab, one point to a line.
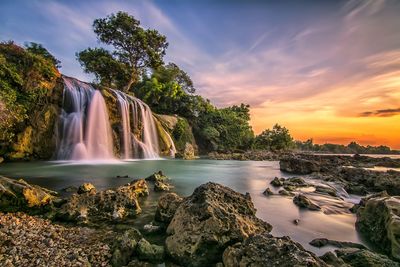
327	70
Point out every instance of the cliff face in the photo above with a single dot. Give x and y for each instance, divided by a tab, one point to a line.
37	137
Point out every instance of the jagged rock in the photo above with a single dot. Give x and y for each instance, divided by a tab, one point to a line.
188	152
125	246
297	165
207	222
161	186
378	220
86	187
331	259
18	195
266	250
364	258
167	206
295	182
268	192
157	177
321	242
327	190
149	252
111	204
277	181
304	202
284	192
151	228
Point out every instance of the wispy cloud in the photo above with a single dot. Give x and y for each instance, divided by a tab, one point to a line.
381	113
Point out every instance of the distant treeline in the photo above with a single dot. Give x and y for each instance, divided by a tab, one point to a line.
352	148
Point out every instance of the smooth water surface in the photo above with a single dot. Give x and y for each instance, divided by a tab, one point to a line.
334	222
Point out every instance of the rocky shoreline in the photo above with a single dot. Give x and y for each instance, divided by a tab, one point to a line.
215	226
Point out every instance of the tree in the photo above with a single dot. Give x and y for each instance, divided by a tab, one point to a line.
278	138
134	50
38	49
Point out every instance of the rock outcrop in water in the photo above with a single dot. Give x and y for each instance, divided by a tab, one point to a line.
109	205
266	250
167	206
378	219
18	195
207	222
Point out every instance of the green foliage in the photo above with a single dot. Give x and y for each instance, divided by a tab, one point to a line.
38	49
351	148
182	133
276	139
167	90
224	129
135	50
25	78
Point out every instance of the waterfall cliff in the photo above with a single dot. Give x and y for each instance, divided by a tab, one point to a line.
86	133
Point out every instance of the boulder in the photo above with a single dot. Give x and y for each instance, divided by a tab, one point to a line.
111	204
297	165
268	192
86	187
207	222
326	190
378	220
161	186
304	202
18	195
149	252
167	206
125	246
1	159
188	152
284	192
364	258
266	250
321	242
277	182
157	177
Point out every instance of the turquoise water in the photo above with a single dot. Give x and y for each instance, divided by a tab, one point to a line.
243	176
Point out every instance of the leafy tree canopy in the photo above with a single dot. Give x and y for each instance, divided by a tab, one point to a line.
38	49
134	51
276	139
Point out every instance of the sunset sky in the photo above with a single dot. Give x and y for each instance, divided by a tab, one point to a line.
328	70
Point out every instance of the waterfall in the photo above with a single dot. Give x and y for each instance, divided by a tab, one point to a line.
85	131
146	144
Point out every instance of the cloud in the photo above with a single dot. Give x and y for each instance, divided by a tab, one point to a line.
381	113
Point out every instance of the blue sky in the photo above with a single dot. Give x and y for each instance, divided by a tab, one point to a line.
298	63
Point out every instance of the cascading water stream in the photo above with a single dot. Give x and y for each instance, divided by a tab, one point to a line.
85	132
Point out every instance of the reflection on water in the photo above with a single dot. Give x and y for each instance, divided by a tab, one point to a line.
334	222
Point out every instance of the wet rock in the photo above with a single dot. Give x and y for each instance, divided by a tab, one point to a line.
277	181
1	159
125	246
284	192
207	222
326	190
157	176
151	228
149	252
266	250
378	220
296	221
304	202
297	165
167	206
295	182
111	204
268	192
18	195
332	260
364	258
321	242
85	188
161	186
